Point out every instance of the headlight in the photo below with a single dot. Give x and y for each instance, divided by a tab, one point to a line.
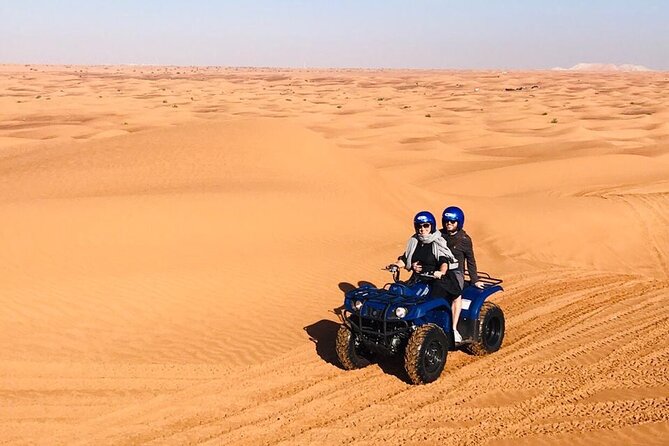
357	305
400	312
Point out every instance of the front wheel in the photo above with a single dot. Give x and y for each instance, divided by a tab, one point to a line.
349	350
491	330
425	354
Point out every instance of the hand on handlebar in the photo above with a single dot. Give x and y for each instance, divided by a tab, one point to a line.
416	267
438	274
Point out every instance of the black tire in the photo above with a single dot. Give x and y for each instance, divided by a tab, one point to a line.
350	354
425	354
490	330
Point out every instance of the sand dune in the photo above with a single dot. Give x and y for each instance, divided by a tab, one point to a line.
175	241
605	67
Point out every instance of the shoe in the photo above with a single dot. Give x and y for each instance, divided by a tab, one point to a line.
457	336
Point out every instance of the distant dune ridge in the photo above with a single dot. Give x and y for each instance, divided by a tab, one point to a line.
175	241
604	67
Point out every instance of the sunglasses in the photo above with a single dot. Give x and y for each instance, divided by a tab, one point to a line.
423	225
451	221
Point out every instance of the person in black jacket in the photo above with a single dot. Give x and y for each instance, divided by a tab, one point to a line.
460	244
426	251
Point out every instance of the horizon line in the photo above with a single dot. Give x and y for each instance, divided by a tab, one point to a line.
349	68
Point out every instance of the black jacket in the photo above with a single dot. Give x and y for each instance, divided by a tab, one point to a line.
425	257
462	248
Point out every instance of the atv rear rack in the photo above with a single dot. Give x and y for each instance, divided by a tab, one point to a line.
485	278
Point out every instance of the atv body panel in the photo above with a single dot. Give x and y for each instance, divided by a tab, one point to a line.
472	301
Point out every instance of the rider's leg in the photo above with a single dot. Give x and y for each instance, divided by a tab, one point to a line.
456	307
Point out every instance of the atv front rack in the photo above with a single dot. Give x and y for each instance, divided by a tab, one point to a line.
379	329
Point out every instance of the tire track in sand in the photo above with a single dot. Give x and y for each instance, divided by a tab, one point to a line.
652	211
299	399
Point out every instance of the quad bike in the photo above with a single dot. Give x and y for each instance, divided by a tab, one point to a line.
402	318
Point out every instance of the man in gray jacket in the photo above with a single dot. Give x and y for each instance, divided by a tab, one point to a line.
460	244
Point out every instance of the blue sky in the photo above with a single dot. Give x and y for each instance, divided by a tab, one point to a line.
396	34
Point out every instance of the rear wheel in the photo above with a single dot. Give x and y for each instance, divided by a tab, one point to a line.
490	330
349	350
425	354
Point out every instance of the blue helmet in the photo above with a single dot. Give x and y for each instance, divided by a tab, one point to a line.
453	213
425	217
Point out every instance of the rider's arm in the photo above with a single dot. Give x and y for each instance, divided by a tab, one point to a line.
443	268
471	262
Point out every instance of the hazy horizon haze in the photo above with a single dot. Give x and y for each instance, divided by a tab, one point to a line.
374	34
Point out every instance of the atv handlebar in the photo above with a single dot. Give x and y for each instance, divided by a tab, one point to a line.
392	268
395	270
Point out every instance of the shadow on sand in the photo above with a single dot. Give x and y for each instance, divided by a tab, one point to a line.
324	334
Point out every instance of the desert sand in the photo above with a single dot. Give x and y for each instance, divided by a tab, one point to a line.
174	242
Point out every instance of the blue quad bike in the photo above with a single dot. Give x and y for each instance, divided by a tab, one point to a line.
402	318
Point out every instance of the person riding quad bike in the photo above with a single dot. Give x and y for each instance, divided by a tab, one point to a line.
413	318
460	244
427	252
